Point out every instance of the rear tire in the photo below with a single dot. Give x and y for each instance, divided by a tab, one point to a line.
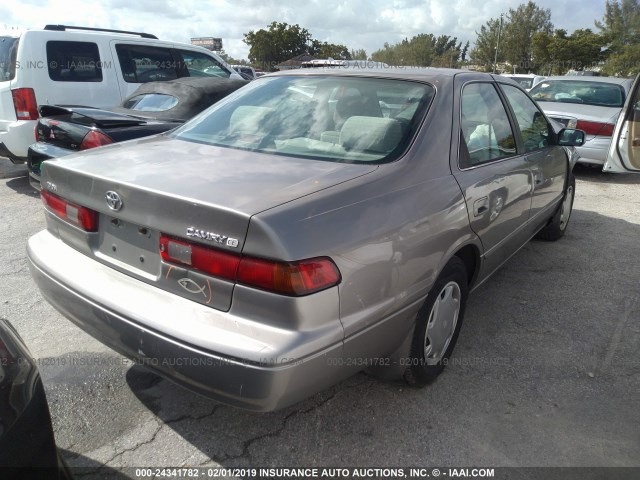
437	325
558	224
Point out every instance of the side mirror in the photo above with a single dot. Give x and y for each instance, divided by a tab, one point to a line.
571	137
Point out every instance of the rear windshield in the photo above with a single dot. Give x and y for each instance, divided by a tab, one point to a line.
151	102
572	91
8	48
336	118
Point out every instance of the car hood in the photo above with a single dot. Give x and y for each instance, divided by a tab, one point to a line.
233	179
592	113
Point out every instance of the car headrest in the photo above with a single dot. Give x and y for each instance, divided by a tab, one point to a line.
248	118
371	134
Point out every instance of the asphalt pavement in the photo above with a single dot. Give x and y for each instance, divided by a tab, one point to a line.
546	371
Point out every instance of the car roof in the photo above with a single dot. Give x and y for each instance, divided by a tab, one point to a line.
579	78
392	72
521	75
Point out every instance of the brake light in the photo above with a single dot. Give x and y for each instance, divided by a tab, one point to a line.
288	278
81	217
24	102
214	262
596	128
41	125
95	139
291	278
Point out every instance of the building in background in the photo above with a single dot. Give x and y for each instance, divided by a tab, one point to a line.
210	43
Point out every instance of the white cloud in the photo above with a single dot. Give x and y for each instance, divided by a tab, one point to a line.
356	24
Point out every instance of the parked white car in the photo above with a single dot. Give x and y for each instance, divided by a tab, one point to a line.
591	104
525	80
93	67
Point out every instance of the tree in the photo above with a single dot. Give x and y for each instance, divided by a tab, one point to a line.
229	59
558	53
517	34
359	54
520	27
329	50
279	43
423	50
620	27
484	51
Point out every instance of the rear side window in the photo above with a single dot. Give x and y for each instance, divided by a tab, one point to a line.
8	49
73	61
485	126
201	65
141	64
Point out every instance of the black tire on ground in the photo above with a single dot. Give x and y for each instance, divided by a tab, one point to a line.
558	225
423	366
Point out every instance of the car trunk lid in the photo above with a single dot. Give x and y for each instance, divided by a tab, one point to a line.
568	114
67	127
197	193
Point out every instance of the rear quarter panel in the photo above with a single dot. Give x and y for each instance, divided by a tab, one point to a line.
390	233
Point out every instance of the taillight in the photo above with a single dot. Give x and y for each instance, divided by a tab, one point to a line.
81	217
95	139
288	278
596	128
24	102
214	262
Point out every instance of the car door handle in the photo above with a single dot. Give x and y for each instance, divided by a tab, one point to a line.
480	206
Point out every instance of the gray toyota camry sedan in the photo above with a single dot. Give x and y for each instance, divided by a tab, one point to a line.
311	225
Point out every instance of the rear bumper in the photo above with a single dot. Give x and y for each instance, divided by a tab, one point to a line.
15	138
239	380
5	152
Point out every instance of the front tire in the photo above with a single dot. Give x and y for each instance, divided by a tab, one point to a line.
438	325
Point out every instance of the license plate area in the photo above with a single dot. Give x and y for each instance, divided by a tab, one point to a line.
130	246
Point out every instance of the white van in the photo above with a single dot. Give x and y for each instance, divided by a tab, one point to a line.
94	67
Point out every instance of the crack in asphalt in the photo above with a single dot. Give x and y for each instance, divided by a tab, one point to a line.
161	425
248	443
191	417
126	450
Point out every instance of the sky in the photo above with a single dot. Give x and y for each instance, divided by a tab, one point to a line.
355	23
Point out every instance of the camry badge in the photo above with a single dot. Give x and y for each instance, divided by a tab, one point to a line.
113	200
212	237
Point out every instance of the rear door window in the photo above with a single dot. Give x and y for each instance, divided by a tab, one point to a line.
485	126
199	64
73	61
141	64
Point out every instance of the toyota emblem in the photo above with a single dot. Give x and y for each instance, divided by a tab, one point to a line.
113	200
